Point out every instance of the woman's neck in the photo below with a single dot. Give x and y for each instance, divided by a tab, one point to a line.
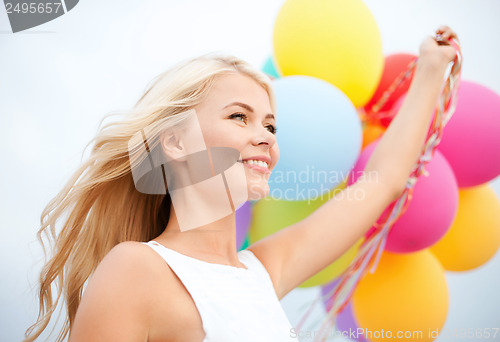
212	242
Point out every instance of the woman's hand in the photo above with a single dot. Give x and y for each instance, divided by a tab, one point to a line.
436	52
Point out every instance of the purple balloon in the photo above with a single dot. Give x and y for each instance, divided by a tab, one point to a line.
346	323
325	289
243	216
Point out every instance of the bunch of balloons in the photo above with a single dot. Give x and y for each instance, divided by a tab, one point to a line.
329	75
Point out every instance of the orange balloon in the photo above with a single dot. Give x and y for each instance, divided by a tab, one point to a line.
474	236
405	299
371	132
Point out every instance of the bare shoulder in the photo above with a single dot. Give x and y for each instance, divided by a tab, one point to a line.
119	300
130	258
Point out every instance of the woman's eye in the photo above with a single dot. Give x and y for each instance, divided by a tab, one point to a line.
239	115
272	129
244	118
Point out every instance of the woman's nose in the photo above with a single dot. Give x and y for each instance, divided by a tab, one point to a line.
262	136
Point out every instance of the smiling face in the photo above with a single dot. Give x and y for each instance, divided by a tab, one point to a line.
237	114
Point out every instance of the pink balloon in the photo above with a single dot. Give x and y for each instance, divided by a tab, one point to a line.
432	208
471	139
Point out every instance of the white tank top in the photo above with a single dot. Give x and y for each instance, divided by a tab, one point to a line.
235	304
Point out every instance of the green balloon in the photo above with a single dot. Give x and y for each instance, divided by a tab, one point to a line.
270	68
246	243
269	215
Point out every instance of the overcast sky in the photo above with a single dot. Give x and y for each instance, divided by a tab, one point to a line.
58	80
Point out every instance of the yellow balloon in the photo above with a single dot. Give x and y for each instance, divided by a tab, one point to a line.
269	215
405	299
474	236
335	40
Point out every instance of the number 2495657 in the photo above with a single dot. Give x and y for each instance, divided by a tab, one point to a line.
33	7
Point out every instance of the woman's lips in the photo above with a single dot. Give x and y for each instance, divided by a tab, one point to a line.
262	169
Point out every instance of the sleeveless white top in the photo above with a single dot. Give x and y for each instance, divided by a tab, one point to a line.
235	304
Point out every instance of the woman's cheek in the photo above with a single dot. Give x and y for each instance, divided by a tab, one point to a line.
275	155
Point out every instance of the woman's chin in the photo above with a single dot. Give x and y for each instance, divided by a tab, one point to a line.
258	191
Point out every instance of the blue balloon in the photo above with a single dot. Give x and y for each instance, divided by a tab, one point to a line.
319	137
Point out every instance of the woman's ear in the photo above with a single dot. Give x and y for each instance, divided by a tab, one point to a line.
173	145
184	138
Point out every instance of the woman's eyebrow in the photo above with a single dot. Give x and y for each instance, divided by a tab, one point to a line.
247	107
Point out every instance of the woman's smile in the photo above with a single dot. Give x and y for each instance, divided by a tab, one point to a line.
257	165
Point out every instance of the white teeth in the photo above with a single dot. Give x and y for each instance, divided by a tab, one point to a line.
256	162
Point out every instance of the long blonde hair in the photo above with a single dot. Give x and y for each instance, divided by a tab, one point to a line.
100	204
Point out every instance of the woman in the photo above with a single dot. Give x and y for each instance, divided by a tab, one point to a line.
188	282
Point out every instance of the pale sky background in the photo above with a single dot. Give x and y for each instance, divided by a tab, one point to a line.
59	79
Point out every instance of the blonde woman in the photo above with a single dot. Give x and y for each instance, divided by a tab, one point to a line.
161	264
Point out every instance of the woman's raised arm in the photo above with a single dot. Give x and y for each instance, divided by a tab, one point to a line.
301	250
400	146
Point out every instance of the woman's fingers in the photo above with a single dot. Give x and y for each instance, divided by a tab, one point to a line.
446	33
439	48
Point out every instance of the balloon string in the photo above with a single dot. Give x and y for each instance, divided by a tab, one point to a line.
374	115
373	244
